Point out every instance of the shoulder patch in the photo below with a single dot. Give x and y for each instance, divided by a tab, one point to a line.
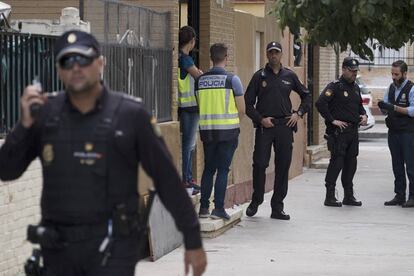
132	98
156	127
328	93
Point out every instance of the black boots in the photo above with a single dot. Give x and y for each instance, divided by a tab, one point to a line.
409	203
349	199
397	200
330	199
279	215
252	209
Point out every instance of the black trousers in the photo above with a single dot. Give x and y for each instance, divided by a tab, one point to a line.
344	151
281	137
83	258
401	146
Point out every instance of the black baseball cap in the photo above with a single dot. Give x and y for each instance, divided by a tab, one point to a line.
77	42
351	63
274	46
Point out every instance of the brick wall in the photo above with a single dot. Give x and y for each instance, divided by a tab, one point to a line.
216	26
40	9
324	72
19	206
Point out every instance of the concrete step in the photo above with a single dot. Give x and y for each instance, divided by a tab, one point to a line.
372	135
211	228
320	164
318	152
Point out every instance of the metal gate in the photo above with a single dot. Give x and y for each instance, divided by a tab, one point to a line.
137	50
384	57
24	57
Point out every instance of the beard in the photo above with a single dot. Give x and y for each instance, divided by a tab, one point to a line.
399	81
274	63
77	90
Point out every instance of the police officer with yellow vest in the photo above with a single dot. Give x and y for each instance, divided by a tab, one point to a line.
187	104
90	142
221	104
269	106
340	104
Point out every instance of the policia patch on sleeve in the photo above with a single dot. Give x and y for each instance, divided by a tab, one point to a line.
328	93
156	127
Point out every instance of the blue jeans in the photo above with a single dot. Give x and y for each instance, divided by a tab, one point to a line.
402	153
217	158
188	127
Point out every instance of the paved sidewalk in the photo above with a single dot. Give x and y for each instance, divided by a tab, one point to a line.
368	240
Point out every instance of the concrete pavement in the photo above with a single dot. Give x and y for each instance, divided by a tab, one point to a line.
368	240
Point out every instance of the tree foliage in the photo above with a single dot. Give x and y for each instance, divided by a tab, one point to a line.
353	23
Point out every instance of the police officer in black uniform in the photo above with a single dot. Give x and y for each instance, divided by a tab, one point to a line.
90	142
340	104
269	106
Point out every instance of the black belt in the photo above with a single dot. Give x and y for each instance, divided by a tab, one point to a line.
280	121
76	233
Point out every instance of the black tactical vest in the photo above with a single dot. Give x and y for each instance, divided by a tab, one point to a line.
79	187
396	121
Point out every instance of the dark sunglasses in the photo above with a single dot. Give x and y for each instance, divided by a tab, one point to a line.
67	63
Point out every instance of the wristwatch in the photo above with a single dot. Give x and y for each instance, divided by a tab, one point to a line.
300	113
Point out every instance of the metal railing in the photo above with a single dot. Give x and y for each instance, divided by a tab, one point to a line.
384	57
144	73
23	57
141	72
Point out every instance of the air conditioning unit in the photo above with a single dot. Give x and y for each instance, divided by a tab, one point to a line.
5	10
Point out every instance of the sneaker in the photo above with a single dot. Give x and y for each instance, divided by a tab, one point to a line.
190	190
251	210
194	184
219	214
203	213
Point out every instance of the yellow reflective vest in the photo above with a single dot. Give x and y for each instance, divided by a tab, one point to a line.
186	96
219	119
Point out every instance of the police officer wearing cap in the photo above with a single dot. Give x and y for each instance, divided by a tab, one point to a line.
340	104
269	107
398	104
90	141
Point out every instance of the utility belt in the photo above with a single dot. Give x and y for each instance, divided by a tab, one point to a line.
57	236
49	234
336	131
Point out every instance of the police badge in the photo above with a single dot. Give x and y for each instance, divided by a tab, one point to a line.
345	93
88	146
47	153
264	83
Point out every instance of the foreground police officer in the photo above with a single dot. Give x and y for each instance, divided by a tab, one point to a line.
340	104
269	106
221	103
399	105
90	141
